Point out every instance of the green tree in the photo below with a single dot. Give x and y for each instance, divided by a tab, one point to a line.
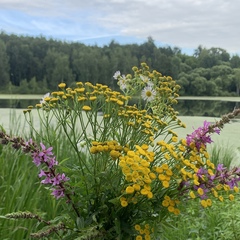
4	66
175	66
237	80
198	86
23	88
57	69
235	61
184	83
223	75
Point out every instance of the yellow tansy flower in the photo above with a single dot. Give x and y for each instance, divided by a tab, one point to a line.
86	108
62	85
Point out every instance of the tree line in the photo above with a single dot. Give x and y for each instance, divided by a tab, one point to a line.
36	65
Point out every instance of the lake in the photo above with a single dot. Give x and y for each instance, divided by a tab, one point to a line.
192	111
187	106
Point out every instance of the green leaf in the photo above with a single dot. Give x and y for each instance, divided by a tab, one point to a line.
80	222
114	200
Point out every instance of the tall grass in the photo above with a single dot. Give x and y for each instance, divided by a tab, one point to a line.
20	188
224	154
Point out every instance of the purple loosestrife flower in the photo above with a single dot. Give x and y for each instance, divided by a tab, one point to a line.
220	167
228	177
47	180
36	159
45	153
58	193
45	156
56	180
52	162
201	136
59	178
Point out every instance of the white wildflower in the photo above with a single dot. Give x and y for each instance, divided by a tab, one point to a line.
145	79
45	96
116	75
82	147
150	83
148	94
122	84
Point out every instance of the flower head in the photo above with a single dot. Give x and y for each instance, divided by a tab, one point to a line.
148	94
122	83
201	136
43	98
116	75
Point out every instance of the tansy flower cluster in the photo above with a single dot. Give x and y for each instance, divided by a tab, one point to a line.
159	92
136	169
171	204
86	96
111	147
143	232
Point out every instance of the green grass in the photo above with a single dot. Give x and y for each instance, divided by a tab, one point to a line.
20	188
21	191
224	154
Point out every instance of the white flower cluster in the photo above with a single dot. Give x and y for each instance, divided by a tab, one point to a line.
148	93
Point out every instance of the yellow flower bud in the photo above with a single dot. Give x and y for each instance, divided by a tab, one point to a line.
86	108
130	190
62	85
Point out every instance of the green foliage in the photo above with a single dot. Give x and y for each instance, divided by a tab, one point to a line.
223	154
220	222
4	66
27	60
20	191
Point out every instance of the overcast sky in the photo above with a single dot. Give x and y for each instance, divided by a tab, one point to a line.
182	23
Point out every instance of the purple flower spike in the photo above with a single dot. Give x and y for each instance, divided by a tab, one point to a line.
58	193
220	167
201	135
45	153
36	159
42	173
52	162
45	157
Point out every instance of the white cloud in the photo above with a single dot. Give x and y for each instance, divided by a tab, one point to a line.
185	23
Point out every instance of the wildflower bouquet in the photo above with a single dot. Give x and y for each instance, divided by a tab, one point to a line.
126	170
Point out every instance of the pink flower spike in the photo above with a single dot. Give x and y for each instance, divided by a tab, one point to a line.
47	180
30	142
52	162
58	193
36	159
42	173
46	151
64	178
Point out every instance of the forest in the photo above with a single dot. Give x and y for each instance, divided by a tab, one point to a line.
36	65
